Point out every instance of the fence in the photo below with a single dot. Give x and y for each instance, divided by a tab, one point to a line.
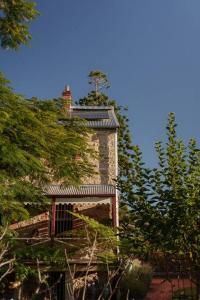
175	276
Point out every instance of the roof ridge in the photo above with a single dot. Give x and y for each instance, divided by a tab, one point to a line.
92	107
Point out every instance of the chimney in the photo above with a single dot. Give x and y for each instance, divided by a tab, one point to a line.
67	99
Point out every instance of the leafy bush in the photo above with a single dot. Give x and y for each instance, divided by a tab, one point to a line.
136	280
185	294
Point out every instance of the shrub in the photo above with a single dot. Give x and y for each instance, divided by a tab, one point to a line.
136	280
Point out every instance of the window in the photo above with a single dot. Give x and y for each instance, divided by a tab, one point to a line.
64	220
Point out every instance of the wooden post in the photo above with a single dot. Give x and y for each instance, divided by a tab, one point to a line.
114	212
53	218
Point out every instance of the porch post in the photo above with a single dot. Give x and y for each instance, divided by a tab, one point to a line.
53	217
114	211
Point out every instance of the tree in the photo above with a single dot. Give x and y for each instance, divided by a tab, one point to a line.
125	149
35	149
99	80
15	18
164	202
38	145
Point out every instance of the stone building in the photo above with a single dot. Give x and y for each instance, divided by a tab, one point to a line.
96	198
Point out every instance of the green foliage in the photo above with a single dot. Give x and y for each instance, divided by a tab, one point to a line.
104	236
14	22
103	231
136	280
36	149
50	255
22	271
175	193
186	293
99	80
164	202
38	146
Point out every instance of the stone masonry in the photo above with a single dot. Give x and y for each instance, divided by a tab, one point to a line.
103	142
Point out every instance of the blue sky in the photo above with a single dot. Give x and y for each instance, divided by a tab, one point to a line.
150	50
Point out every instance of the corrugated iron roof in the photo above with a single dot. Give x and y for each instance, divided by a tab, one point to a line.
91	115
96	116
83	190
